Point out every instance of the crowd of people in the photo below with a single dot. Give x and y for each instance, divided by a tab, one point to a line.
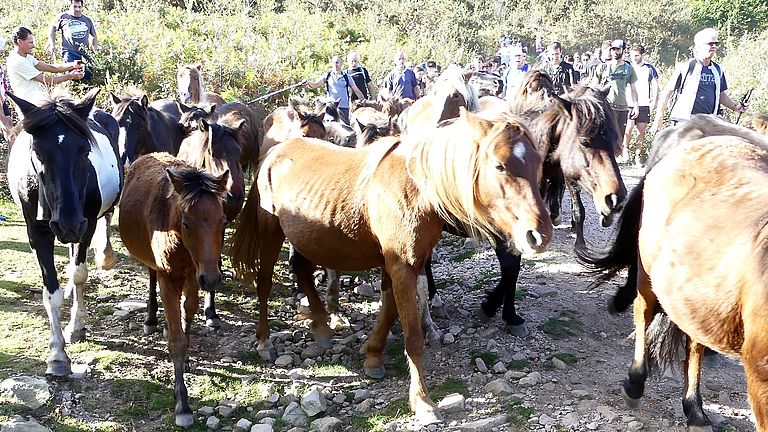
631	84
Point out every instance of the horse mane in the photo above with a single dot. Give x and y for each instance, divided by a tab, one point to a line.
299	104
533	93
446	165
453	78
591	105
197	183
204	154
128	98
59	108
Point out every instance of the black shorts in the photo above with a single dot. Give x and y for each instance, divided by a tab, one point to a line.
643	115
6	108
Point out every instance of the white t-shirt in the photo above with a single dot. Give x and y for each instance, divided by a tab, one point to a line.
645	74
21	70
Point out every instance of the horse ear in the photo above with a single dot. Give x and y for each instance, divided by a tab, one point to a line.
26	107
176	181
213	108
84	107
144	101
221	182
202	125
300	114
360	125
467	75
563	103
182	107
115	100
198	66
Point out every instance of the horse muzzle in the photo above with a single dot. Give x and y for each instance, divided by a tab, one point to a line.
69	231
209	281
613	204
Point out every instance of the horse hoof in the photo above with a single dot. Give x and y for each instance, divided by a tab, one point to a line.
482	316
429	417
106	261
520	330
434	337
184	420
150	329
267	354
375	372
74	336
58	368
632	403
214	323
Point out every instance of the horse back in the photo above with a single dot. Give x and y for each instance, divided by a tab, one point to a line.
164	116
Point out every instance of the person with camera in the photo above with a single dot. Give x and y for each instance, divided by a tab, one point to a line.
26	74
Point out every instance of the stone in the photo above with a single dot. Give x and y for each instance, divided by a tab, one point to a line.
243	424
531	379
724	398
284	361
571	420
453	402
580	394
121	314
519	356
361	395
365	289
607	412
364	406
454	330
499	368
326	424
546	420
480	364
484	425
635	425
212	423
205	410
559	364
470	244
79	371
303	307
132	305
225	410
339	399
514	375
543	291
314	350
19	424
448	339
262	428
498	387
30	391
313	401
294	414
272	413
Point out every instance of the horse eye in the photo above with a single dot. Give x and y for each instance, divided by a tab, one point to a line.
185	224
500	167
584	141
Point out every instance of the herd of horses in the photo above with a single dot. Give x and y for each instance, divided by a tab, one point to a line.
380	193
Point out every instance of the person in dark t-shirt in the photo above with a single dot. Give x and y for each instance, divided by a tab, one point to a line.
78	35
360	75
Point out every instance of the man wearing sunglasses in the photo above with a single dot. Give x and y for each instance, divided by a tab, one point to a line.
698	85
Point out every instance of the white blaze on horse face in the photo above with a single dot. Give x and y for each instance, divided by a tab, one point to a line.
520	150
61	139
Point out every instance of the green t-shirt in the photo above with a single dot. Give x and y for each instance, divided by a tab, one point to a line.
615	78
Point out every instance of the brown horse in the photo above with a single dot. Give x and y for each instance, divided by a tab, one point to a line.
294	121
172	220
191	88
760	123
704	190
384	206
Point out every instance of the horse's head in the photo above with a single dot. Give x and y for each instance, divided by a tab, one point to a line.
340	134
533	93
214	148
61	142
586	150
311	124
192	114
133	121
451	92
484	176
329	108
369	132
199	196
190	83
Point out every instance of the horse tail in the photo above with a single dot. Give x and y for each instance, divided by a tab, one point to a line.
663	340
622	253
244	243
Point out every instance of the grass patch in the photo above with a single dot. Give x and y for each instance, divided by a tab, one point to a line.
463	256
518	364
566	358
489	358
141	396
449	386
377	422
330	370
521	293
565	326
395	362
484	279
518	414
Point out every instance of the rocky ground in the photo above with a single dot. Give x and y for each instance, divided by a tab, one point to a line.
564	376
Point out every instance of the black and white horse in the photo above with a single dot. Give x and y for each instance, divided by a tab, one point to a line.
64	173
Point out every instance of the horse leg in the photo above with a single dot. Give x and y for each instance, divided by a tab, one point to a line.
436	303
753	353
271	238
692	404
374	358
509	264
332	291
212	319
403	287
150	323
553	196
577	211
171	287
104	255
644	310
78	274
41	241
191	304
304	271
433	334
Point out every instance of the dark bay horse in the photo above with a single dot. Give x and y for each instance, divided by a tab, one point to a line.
144	128
384	206
64	173
697	258
189	80
172	220
214	149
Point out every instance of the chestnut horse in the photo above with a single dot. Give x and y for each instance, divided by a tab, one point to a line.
63	172
294	121
172	220
189	79
682	252
384	206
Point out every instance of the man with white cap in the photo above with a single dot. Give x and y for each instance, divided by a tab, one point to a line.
698	84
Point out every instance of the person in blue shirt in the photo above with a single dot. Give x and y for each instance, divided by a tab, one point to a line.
337	85
401	81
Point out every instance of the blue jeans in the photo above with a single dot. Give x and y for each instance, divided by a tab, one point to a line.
70	56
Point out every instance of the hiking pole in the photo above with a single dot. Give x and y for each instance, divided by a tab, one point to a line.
744	100
264	96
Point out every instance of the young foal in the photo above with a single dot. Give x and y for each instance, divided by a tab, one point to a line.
383	206
704	190
172	220
63	172
191	89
